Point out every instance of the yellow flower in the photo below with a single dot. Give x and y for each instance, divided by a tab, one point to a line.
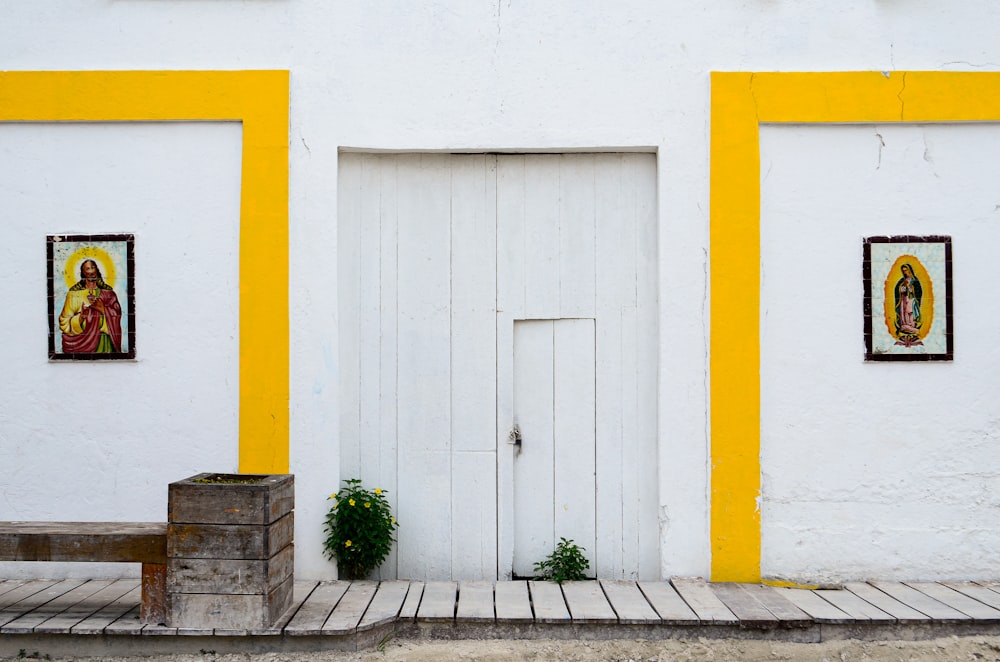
393	519
378	490
347	544
368	504
351	502
332	496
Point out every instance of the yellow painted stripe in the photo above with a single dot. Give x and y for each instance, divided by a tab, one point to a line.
258	99
734	234
740	102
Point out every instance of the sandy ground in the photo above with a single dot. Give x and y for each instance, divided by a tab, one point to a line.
985	649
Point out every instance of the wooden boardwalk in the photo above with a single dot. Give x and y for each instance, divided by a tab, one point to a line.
67	614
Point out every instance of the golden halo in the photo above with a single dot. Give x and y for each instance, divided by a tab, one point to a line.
71	272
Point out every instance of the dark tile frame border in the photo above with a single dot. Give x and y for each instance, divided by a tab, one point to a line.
129	240
866	269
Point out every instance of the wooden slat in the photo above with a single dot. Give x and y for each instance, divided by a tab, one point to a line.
316	609
547	599
64	622
855	607
668	603
27	622
628	602
902	613
787	613
108	614
587	603
977	592
414	595
438	603
36	600
956	600
126	624
744	605
301	590
124	542
512	602
386	604
8	585
703	601
818	609
350	609
475	602
22	591
921	602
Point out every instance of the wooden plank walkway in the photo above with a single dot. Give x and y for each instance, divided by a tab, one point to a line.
473	609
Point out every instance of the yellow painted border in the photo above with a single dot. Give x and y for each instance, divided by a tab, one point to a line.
258	99
740	103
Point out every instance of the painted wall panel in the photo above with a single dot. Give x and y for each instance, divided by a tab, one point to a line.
100	441
870	469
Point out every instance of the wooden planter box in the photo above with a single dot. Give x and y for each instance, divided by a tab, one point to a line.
230	555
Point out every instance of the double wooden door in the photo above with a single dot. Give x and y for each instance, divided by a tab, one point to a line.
481	293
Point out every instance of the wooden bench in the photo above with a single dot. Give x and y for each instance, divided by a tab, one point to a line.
113	542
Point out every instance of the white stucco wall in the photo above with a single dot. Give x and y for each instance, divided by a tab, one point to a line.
99	441
876	470
442	75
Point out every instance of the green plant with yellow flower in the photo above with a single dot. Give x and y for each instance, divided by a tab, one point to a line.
359	528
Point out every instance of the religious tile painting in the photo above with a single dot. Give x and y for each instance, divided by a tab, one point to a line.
91	300
908	298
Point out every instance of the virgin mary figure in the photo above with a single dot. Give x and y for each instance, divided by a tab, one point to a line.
908	295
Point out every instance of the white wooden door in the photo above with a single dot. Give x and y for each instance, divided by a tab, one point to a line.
440	256
554	460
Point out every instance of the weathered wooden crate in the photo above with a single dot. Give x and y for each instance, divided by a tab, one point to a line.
230	552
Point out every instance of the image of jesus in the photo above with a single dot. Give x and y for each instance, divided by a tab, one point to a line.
91	316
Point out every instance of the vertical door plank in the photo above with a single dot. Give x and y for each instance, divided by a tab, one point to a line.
533	479
615	289
641	168
573	453
577	250
512	236
474	365
474	503
424	365
473	309
350	199
541	247
388	275
369	321
510	224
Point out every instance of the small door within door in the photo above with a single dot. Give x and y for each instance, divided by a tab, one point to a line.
554	463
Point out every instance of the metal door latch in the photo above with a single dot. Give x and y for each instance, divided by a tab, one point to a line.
514	437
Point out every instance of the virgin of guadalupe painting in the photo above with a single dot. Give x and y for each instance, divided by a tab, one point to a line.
907	304
91	306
